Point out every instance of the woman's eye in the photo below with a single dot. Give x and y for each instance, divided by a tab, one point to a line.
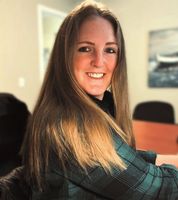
110	50
84	49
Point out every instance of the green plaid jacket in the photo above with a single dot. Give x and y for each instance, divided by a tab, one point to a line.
140	181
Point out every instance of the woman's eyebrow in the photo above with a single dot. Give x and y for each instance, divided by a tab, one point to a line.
92	43
112	43
86	42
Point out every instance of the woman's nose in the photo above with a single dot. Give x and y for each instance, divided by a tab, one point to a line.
98	59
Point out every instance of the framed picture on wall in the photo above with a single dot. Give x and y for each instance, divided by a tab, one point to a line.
163	58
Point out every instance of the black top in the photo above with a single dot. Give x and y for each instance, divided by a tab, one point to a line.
106	104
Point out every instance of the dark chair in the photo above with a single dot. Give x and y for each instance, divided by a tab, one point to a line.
13	186
13	120
155	111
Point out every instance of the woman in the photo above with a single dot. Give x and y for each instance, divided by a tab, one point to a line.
79	143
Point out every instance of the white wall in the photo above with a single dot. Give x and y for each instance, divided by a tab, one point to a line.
137	18
19	53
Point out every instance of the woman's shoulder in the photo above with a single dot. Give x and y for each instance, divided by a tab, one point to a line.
14	187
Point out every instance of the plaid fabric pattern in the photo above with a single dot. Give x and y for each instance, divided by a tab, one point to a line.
140	181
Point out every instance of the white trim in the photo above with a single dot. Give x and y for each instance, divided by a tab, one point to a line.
41	9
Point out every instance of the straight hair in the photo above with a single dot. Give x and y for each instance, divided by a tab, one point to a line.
65	120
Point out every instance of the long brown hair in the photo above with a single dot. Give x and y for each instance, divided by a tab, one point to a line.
65	120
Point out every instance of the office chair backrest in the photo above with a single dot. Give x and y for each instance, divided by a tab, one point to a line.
13	121
155	111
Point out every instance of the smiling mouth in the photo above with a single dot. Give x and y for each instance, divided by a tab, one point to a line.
95	75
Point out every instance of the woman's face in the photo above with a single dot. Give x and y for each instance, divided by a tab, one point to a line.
95	56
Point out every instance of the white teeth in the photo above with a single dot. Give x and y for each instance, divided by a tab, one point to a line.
96	75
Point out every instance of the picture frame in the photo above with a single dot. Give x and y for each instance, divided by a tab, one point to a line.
163	58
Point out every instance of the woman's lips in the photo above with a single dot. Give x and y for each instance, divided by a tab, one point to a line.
95	75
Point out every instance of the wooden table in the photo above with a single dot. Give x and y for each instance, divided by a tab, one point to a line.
159	137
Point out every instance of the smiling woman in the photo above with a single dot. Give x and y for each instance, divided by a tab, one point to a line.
95	56
79	143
